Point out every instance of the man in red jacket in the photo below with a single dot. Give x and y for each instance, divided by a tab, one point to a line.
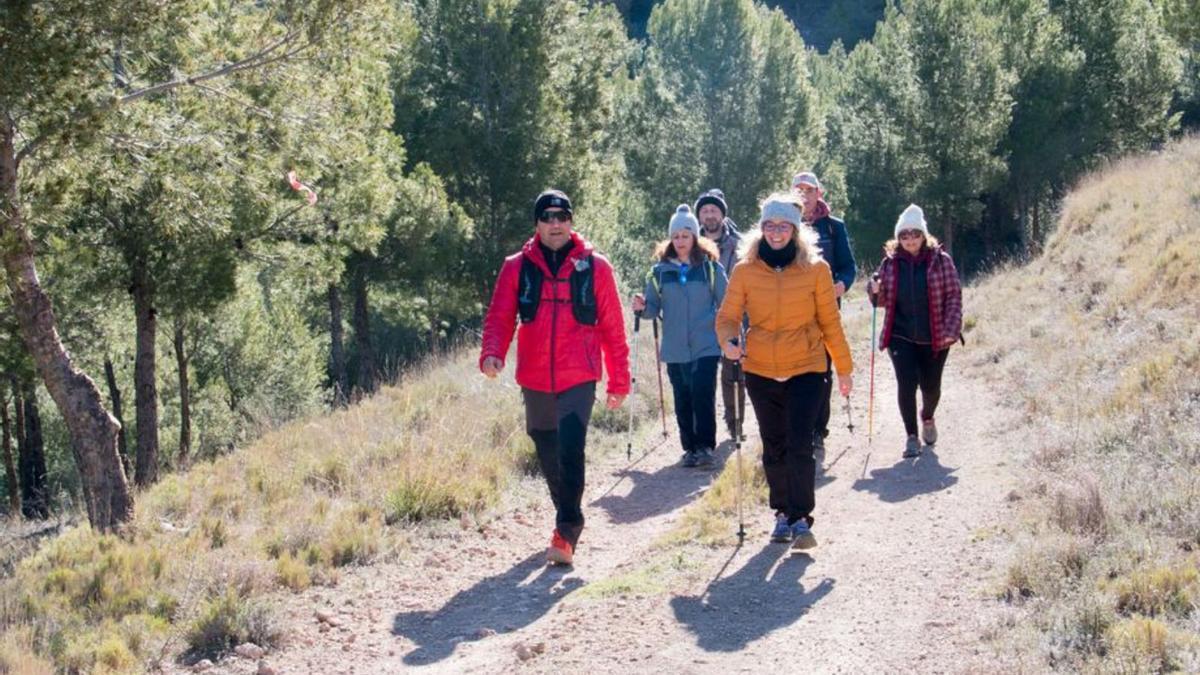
565	297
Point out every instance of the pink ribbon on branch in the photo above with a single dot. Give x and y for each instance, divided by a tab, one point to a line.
308	192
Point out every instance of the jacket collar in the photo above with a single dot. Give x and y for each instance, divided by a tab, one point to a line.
580	250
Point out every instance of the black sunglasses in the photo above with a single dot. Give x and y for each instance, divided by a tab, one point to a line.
554	216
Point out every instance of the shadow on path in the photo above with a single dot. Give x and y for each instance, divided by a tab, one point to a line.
662	491
908	478
502	603
766	594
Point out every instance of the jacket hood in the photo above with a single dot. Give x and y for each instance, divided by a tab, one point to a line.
807	251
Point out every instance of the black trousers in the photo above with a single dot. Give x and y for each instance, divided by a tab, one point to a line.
827	392
917	367
822	424
787	413
732	396
695	387
558	423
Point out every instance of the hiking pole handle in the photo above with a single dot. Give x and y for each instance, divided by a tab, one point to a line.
637	321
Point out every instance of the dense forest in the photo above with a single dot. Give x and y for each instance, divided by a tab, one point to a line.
216	217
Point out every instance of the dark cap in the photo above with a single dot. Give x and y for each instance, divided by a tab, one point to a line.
714	197
552	199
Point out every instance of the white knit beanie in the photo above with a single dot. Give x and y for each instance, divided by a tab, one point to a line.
684	220
913	218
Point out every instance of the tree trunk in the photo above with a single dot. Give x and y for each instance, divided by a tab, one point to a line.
35	494
145	388
92	430
114	395
10	469
185	399
337	355
1037	224
362	332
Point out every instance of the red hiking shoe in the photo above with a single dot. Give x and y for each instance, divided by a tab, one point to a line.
560	552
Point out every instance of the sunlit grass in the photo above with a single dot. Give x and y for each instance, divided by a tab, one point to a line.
281	515
1097	342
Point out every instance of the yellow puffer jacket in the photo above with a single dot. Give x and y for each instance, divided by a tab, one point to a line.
793	314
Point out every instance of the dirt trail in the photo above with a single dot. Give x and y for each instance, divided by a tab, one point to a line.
910	553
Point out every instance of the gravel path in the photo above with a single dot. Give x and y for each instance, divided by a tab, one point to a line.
911	553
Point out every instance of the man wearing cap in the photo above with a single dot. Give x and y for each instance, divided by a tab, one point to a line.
834	243
565	296
715	224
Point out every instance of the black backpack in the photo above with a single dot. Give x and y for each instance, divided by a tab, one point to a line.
583	290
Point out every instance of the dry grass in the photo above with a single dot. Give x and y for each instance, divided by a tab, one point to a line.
1098	342
712	521
193	574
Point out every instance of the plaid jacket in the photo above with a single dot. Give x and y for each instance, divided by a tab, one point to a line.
945	299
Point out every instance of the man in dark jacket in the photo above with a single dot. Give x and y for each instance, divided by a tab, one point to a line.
713	214
834	242
565	295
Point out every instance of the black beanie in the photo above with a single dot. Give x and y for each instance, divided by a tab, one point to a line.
551	198
714	197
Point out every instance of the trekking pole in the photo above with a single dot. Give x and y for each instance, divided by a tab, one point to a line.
849	417
637	325
871	393
662	406
739	415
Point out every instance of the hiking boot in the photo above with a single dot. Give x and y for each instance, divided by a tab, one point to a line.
704	457
802	536
561	552
912	447
690	458
929	432
782	534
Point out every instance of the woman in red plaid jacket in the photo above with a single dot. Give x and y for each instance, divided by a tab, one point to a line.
918	287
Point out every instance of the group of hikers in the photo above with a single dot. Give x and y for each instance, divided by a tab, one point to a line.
765	305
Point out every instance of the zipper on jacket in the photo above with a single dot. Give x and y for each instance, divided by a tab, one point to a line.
778	314
553	327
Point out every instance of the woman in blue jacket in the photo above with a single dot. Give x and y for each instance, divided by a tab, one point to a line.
684	288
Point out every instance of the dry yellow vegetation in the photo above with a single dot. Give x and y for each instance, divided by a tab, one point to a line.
1098	342
194	573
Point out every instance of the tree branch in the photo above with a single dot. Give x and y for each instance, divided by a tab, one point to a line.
265	56
259	58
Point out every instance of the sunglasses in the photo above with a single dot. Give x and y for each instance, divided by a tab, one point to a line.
554	216
910	234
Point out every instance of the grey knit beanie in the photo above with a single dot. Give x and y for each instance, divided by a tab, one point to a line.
781	209
684	220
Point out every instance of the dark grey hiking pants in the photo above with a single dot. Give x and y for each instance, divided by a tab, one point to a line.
558	423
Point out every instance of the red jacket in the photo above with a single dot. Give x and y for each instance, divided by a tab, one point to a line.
945	298
554	351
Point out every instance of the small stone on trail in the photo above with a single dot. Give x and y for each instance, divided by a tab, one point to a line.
264	669
524	653
539	648
202	665
1013	496
484	633
249	650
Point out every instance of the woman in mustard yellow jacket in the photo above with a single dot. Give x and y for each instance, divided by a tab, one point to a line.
786	290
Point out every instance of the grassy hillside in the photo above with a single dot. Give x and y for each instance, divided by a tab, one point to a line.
194	574
1098	341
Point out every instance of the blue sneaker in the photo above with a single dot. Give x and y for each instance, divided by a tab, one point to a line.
782	534
802	536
